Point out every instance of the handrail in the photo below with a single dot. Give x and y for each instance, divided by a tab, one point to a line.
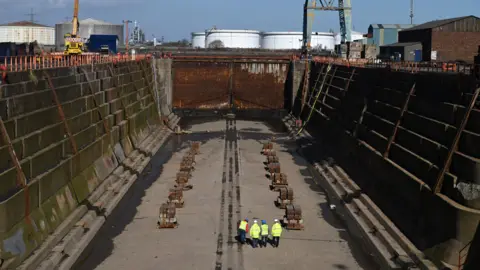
54	60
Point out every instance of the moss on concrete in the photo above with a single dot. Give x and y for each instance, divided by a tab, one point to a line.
55	179
84	183
60	187
14	208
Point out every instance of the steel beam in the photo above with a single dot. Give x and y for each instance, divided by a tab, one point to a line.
453	148
394	133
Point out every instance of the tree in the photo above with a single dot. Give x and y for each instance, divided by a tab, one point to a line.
216	44
185	42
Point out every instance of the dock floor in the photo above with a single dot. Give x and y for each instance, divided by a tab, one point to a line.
229	184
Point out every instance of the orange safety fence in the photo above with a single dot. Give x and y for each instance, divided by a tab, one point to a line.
407	66
22	63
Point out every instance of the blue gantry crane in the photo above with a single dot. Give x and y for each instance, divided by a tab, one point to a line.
344	8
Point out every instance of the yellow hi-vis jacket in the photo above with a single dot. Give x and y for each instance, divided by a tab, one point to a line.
276	230
243	225
264	229
255	231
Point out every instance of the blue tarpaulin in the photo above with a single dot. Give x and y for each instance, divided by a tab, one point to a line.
97	41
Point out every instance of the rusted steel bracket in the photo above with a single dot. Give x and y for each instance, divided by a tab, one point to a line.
360	119
348	82
21	179
104	120
343	94
305	87
61	113
453	148
125	113
112	73
312	108
316	83
402	112
329	85
150	89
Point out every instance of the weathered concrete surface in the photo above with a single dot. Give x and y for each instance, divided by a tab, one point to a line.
131	240
104	107
164	84
355	114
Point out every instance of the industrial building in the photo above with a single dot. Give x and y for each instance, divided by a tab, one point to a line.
25	32
356	36
408	51
88	27
446	40
383	34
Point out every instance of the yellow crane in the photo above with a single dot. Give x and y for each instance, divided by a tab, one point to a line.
74	44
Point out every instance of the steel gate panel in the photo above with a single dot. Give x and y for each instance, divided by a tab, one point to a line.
201	85
259	85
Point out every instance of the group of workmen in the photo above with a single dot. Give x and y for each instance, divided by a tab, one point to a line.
259	234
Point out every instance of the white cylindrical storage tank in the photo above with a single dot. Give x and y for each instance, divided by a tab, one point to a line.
323	41
247	39
25	32
282	40
198	40
293	41
355	36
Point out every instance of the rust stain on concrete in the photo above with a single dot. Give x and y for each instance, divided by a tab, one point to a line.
214	85
259	85
200	85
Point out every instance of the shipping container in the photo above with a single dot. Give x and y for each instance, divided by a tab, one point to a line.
96	42
7	49
21	49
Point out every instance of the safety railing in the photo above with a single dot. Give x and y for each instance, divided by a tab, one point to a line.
433	66
408	66
22	63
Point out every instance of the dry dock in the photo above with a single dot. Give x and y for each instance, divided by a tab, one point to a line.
230	183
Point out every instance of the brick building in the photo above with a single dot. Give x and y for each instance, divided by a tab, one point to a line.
446	40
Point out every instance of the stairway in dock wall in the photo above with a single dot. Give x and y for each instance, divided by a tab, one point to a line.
400	127
108	111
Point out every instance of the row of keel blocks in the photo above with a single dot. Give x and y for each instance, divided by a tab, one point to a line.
292	219
167	215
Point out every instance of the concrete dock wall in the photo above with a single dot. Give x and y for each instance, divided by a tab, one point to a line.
355	110
109	111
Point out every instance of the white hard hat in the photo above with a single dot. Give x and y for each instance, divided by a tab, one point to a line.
276	220
255	221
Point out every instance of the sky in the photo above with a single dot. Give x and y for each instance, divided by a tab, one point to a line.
176	19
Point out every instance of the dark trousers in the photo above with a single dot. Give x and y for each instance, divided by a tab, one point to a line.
254	242
276	241
264	240
241	236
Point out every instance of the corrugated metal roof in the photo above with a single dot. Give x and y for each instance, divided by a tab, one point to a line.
437	23
401	44
24	23
392	26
